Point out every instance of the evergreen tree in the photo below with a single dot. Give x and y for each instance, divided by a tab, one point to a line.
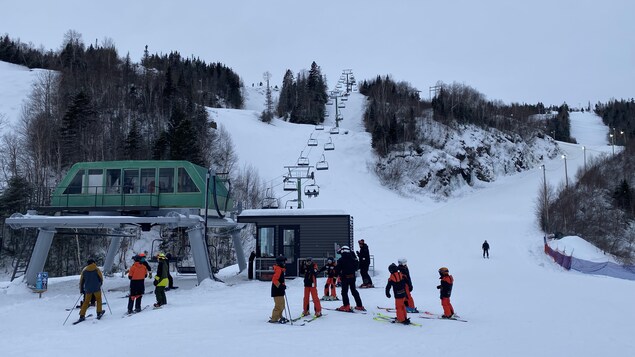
132	146
16	197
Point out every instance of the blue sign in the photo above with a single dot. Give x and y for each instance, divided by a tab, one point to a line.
42	281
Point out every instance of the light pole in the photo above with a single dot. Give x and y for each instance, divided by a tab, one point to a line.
546	202
584	152
612	143
566	176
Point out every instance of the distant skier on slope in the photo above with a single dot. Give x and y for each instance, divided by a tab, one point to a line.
485	247
278	288
445	290
409	301
346	267
398	282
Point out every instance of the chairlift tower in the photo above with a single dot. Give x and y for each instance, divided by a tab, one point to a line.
299	173
335	95
348	74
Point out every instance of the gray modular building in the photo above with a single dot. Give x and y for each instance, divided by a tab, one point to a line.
297	234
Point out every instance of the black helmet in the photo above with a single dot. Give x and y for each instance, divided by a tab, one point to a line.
392	268
330	260
90	261
281	259
308	261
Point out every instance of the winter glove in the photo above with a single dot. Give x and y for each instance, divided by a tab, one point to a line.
438	286
155	282
388	295
130	277
283	287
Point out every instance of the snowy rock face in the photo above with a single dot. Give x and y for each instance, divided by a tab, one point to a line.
454	158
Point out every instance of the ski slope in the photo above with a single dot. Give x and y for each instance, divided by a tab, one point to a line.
518	302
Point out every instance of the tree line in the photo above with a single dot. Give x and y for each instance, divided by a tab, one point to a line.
303	99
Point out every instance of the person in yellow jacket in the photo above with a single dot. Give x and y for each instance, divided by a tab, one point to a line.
161	281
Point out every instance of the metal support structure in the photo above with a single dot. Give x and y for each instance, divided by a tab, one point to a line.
115	243
39	255
240	255
198	246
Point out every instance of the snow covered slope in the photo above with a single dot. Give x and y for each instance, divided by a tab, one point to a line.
518	302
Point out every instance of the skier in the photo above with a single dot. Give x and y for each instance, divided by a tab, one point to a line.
447	281
170	278
485	249
331	276
310	287
277	291
137	273
161	281
364	264
409	301
142	259
90	282
346	267
398	282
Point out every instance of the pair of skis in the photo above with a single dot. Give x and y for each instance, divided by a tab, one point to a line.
90	315
385	318
303	322
427	315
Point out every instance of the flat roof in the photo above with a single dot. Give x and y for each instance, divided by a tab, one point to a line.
291	212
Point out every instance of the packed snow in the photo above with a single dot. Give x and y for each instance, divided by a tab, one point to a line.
518	302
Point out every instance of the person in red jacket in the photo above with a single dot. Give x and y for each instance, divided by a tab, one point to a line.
136	274
398	282
445	289
410	302
310	287
278	291
331	277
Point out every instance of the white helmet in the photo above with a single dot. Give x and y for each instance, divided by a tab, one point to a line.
345	249
402	261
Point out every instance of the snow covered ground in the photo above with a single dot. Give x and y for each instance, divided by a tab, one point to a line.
518	302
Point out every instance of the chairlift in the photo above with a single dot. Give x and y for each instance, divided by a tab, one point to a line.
311	142
326	114
341	105
344	98
334	130
312	190
290	184
303	161
322	164
290	204
329	102
319	127
329	146
270	201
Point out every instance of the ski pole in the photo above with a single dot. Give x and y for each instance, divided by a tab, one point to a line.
72	308
105	298
288	309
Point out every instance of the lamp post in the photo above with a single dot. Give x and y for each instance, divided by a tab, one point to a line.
612	143
566	176
584	152
546	202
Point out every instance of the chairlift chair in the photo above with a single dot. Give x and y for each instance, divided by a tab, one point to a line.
312	190
290	204
290	184
341	105
319	127
329	146
270	201
311	142
344	98
334	130
322	164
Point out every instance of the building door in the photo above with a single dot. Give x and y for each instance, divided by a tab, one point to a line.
289	242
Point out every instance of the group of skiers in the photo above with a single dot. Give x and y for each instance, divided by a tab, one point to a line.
344	270
91	280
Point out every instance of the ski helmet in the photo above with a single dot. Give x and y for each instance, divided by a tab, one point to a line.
402	261
392	268
443	270
281	259
308	261
345	249
330	260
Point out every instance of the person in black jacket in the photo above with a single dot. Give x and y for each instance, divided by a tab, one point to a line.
409	301
399	284
485	247
278	288
310	288
331	277
346	267
364	264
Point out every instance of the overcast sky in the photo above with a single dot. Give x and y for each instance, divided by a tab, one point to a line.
542	50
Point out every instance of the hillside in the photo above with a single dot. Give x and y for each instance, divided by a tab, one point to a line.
518	303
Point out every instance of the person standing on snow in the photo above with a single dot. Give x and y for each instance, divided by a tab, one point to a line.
364	264
331	277
398	282
90	281
278	288
445	289
485	247
346	267
137	273
409	301
310	287
161	281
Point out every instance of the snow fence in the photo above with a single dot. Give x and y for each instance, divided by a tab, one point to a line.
584	266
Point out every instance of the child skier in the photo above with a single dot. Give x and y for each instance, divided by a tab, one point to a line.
277	291
331	276
136	274
398	282
447	281
310	287
161	281
410	302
